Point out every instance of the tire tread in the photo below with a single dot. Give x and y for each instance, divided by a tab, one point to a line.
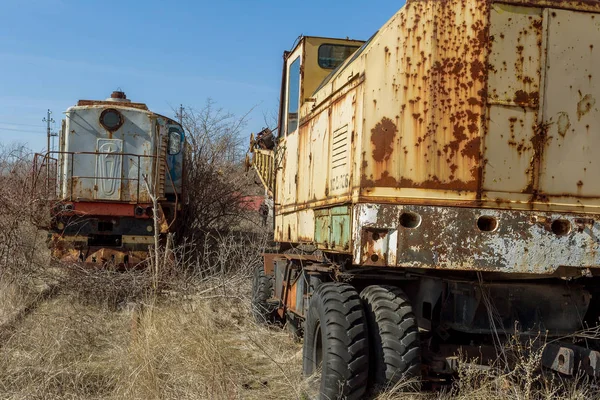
394	336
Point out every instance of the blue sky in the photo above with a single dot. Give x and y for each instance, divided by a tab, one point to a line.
163	53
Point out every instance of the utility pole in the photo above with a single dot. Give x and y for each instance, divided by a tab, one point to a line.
48	120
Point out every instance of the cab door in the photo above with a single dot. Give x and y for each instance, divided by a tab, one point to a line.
288	133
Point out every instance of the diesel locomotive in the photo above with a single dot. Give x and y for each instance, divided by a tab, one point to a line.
113	159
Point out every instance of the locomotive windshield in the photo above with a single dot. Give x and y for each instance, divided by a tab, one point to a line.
175	140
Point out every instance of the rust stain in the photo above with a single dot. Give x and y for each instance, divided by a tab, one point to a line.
585	105
478	71
524	98
382	137
436	184
459	136
538	141
472	148
433	183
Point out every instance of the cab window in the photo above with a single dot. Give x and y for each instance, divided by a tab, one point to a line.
332	55
175	140
293	99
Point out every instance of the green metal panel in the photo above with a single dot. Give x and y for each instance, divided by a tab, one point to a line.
322	226
332	227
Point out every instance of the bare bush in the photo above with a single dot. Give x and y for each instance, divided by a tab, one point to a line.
103	287
20	240
217	184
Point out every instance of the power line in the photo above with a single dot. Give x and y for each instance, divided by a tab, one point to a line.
17	130
19	124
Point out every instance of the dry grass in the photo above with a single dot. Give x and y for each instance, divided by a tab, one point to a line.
194	348
200	347
207	349
13	298
525	380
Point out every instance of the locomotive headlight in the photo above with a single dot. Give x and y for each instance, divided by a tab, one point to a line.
111	119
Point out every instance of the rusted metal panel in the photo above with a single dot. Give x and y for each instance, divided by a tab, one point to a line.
319	140
131	159
103	209
515	56
570	163
332	228
515	66
579	5
269	262
72	249
340	228
425	98
306	226
139	106
340	144
452	238
286	187
289	231
508	168
279	228
303	172
322	227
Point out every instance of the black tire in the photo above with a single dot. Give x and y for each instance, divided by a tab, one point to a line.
336	340
264	311
394	338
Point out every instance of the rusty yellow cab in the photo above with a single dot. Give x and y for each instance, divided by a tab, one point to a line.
453	157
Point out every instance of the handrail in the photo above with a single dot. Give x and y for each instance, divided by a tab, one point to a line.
174	191
71	155
45	161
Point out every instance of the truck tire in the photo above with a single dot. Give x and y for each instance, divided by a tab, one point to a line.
264	312
394	338
336	341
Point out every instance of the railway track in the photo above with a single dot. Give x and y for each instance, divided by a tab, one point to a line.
8	327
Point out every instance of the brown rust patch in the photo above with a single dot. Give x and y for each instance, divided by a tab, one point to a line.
474	101
585	105
524	98
435	183
478	71
459	136
472	148
382	137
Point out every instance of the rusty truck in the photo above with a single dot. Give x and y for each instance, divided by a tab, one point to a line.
436	188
